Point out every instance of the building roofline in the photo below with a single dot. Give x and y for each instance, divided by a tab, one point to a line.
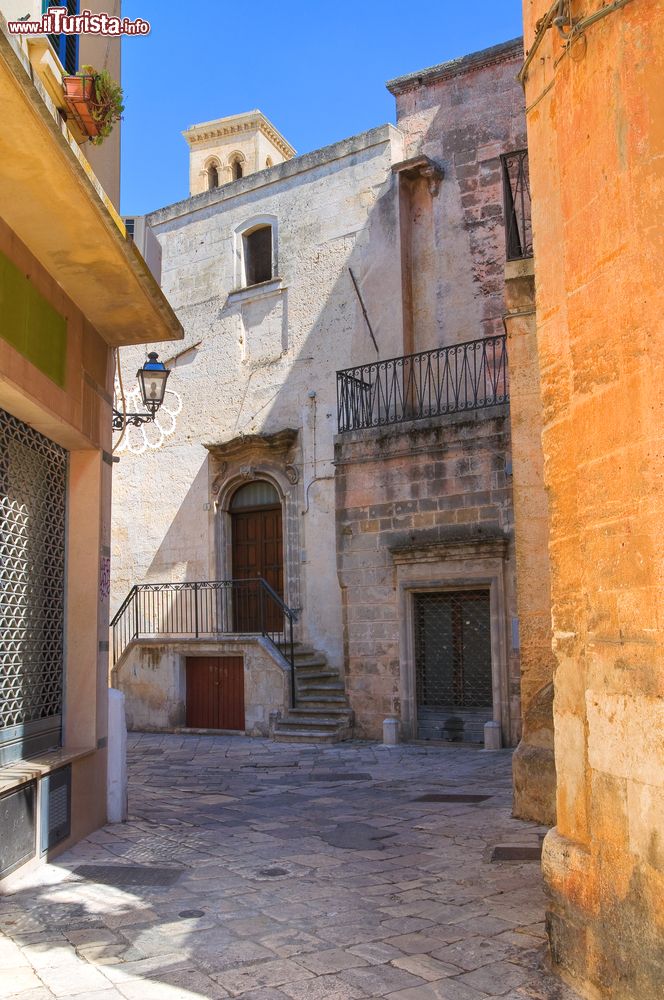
236	125
456	67
272	175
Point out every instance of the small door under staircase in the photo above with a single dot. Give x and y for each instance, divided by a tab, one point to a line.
215	692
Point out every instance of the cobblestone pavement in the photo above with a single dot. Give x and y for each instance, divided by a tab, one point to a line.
289	872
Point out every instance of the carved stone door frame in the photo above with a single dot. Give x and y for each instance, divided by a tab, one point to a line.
274	459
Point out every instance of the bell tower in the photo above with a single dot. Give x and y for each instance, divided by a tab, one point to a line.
227	149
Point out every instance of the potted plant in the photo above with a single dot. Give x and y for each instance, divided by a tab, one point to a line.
95	101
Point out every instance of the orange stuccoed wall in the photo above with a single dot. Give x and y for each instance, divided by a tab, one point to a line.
596	139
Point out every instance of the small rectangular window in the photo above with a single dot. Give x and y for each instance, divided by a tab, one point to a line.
258	255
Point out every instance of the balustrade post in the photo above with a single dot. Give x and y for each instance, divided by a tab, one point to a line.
292	663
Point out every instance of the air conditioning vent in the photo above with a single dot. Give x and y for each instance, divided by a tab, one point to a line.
55	803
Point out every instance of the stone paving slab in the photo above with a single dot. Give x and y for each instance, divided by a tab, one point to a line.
305	872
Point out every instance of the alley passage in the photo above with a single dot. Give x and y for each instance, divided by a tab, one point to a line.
290	872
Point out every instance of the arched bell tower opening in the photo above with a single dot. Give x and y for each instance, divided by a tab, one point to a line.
237	162
212	176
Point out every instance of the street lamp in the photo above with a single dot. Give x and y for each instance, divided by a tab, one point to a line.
152	378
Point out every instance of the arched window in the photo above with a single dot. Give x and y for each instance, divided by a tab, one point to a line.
256	251
236	163
257	248
213	176
256	494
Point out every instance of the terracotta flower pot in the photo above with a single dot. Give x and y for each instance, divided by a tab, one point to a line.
80	98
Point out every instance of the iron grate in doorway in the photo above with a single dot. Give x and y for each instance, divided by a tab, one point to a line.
453	672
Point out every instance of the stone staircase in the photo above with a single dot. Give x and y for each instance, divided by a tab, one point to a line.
323	714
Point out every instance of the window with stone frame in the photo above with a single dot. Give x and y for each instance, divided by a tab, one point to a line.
258	255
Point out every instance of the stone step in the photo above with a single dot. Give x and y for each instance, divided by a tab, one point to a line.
308	736
299	650
315	675
321	701
313	663
329	710
323	714
320	722
321	687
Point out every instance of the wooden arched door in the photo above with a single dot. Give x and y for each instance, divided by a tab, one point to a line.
257	551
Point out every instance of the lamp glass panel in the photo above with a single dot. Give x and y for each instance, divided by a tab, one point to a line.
153	385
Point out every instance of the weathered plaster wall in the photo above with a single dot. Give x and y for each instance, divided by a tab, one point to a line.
533	763
596	140
261	360
439	487
462	115
153	679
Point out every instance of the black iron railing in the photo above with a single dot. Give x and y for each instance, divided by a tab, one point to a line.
207	609
468	376
516	199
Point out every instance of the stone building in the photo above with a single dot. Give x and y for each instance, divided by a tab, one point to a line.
595	114
256	375
344	434
424	502
72	289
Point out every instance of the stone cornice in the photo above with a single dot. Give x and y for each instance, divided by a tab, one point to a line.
280	172
457	67
237	125
461	545
279	443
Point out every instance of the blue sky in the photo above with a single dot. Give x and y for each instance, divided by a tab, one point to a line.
317	70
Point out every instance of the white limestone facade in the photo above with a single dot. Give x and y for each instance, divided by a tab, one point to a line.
256	372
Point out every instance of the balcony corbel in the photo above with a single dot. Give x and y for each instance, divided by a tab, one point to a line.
421	167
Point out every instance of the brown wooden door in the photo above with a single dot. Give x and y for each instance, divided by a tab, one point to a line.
215	692
257	552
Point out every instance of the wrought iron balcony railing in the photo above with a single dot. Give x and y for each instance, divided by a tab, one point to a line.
208	609
468	376
516	197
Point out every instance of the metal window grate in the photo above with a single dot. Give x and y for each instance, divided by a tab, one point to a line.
55	803
33	483
516	198
453	663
